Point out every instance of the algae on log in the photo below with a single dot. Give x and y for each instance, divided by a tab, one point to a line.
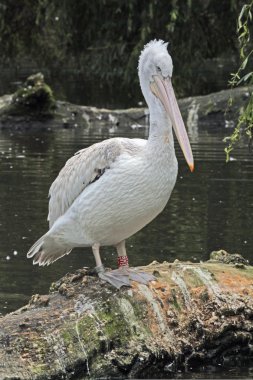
32	104
33	97
193	314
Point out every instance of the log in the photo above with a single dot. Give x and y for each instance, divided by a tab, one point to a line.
33	106
194	314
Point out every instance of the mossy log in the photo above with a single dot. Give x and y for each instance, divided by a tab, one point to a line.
194	314
33	99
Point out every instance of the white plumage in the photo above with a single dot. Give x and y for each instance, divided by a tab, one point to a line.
110	190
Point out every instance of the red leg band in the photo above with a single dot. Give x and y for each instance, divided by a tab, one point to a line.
122	261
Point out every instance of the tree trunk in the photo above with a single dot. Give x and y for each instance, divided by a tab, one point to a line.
193	314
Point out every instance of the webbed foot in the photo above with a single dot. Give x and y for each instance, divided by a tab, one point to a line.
142	277
122	276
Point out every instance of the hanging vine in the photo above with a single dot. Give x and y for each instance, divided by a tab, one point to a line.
244	125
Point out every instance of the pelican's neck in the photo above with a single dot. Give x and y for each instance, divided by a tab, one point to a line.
160	125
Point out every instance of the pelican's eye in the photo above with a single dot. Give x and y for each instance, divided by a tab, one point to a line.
159	69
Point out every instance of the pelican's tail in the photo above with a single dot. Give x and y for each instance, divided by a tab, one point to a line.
46	250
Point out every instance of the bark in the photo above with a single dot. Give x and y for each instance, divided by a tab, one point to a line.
194	314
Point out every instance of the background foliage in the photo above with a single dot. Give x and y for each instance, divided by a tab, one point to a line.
243	75
102	39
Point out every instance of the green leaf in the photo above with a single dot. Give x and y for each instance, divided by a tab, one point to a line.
244	64
246	77
241	15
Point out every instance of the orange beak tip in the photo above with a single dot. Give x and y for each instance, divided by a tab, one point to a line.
191	166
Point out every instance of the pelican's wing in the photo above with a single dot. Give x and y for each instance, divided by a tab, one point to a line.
86	166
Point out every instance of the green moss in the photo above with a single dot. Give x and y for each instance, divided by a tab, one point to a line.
81	334
116	323
39	364
68	335
175	301
115	326
33	97
192	280
39	369
224	257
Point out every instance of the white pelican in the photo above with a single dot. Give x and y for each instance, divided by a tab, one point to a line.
110	190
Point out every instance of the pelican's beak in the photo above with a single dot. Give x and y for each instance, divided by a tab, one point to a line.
163	90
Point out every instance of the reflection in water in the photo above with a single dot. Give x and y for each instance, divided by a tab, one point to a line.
208	210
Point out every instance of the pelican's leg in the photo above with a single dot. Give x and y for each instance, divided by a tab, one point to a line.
116	279
122	256
99	266
133	274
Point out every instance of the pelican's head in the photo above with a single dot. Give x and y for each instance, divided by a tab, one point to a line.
155	72
154	60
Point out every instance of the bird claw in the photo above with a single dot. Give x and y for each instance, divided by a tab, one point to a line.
121	277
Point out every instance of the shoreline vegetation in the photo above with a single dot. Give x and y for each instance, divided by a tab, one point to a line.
102	40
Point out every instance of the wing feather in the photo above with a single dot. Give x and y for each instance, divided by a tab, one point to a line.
83	168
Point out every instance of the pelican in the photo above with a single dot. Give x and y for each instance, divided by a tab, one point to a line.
107	192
